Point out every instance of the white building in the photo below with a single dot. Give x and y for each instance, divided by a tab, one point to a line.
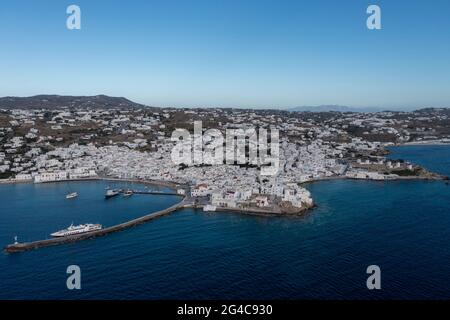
51	176
200	190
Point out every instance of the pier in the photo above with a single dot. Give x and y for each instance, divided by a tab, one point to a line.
18	247
161	193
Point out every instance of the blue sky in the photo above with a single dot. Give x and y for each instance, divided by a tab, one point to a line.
246	53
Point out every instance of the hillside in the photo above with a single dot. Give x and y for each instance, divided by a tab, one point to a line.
57	101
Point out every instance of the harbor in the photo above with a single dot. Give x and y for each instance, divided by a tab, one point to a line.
182	253
124	188
150	192
19	247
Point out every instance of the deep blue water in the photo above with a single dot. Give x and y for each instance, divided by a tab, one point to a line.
404	227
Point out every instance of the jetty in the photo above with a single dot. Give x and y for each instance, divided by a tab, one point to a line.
18	247
161	193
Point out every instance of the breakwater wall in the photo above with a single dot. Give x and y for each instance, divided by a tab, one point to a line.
18	247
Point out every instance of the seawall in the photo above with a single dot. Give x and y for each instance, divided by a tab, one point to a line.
18	247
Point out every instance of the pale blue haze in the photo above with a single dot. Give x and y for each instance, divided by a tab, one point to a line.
249	53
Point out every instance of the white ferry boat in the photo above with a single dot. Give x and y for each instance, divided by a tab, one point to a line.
72	195
72	230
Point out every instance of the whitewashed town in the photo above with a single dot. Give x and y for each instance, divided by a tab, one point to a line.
86	139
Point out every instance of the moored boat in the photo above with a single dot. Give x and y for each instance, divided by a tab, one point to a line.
128	193
111	193
71	195
80	229
209	207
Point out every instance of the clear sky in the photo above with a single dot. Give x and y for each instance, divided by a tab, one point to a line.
242	53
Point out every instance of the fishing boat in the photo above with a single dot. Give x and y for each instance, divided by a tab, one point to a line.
128	193
71	195
111	193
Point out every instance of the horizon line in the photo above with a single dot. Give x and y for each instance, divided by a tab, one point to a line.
307	108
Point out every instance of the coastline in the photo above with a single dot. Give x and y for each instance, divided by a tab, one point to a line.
19	247
186	202
424	143
174	185
25	246
434	178
160	183
256	212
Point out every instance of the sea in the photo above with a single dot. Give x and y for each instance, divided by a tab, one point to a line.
403	227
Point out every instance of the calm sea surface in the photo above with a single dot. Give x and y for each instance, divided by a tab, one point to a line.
402	226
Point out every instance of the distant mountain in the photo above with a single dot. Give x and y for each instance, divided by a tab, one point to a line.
56	101
434	110
108	102
337	108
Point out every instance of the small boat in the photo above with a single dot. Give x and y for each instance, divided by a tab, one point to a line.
71	195
72	230
209	207
128	193
111	193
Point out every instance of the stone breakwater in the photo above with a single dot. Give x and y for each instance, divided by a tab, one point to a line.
18	247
